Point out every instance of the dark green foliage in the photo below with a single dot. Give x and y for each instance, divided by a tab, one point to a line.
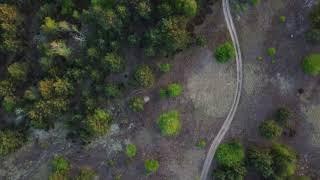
230	154
186	7
10	141
164	67
261	160
9	103
313	36
270	129
131	150
112	90
234	173
136	104
6	88
144	76
18	71
311	64
113	63
282	115
285	160
169	123
225	52
315	17
151	166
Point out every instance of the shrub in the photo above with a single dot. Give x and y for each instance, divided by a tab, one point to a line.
97	123
261	161
234	173
9	103
285	160
113	63
30	94
144	9
112	90
49	25
311	64
282	19
131	150
225	52
172	90
315	17
6	88
169	123
60	165
151	166
136	104
164	67
283	115
313	36
230	154
57	48
18	71
270	129
144	76
272	52
10	141
86	174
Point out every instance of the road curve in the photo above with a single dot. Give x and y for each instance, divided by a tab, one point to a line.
226	125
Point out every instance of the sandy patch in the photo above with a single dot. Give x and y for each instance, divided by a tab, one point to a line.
312	114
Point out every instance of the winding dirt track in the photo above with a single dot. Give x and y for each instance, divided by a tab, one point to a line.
226	125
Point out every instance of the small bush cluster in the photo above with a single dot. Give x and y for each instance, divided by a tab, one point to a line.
225	52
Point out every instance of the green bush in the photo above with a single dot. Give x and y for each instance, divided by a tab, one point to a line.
10	141
112	90
282	19
18	71
311	64
225	52
151	166
270	129
97	123
272	52
113	62
144	76
9	103
186	7
131	150
282	115
86	174
169	123
285	160
261	161
60	165
164	67
6	88
227	173
230	154
313	36
136	104
172	90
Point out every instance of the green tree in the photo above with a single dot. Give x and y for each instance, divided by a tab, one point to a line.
6	88
97	123
144	76
225	52
112	90
173	90
18	71
144	8
311	64
186	7
261	160
272	52
285	160
131	150
282	115
169	123
230	154
136	104
113	63
9	103
10	141
270	129
234	173
151	166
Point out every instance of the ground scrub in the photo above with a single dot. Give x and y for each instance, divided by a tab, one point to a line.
224	52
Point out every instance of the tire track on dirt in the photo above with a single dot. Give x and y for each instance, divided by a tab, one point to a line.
226	125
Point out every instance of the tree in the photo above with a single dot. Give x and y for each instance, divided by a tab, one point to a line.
49	26
10	141
282	115
18	71
186	7
234	173
225	52
285	160
53	88
311	64
261	160
144	76
9	103
169	123
6	88
112	90
136	104
57	48
270	129
230	154
144	9
97	123
151	166
113	63
131	150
